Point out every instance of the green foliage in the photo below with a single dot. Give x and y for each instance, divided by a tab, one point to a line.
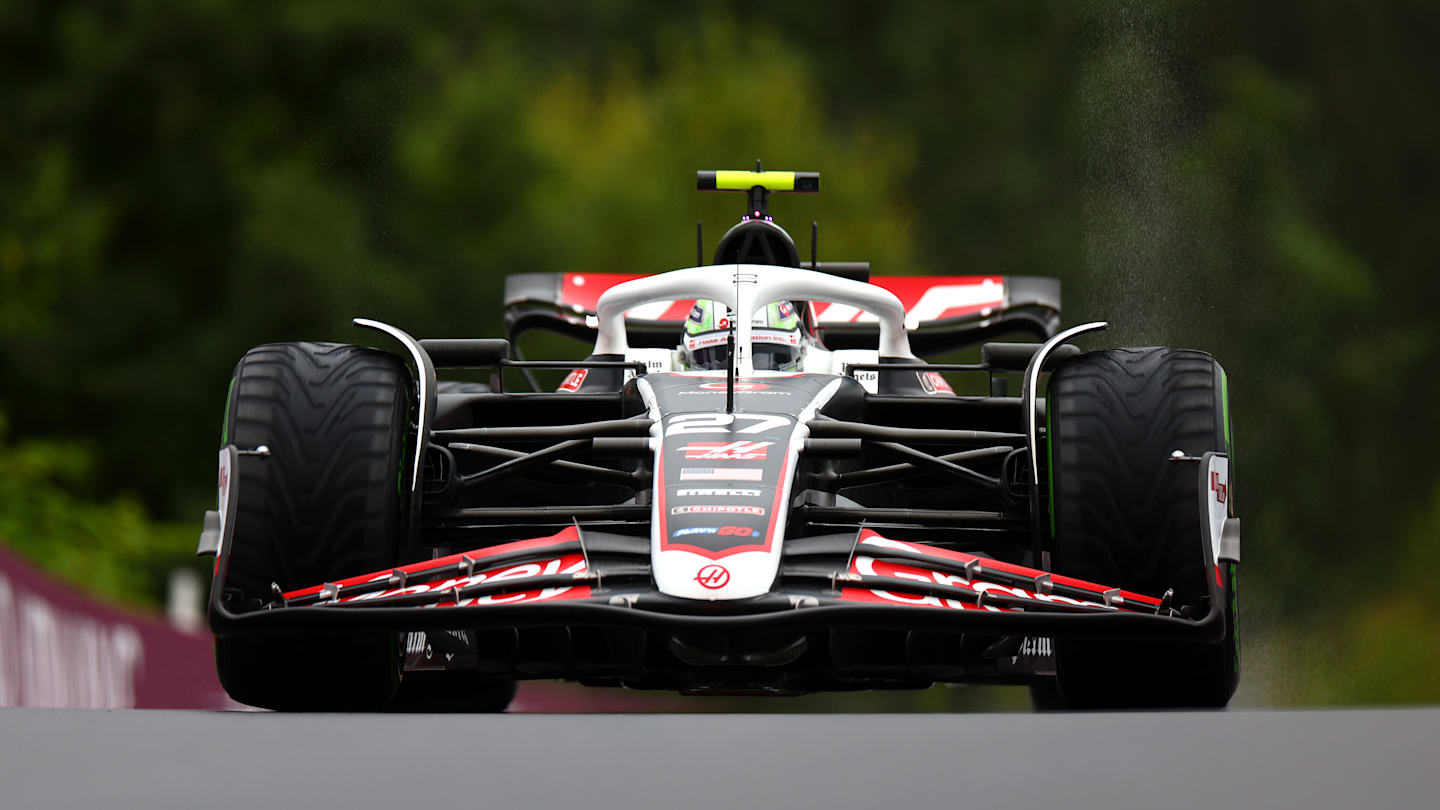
51	238
596	167
106	546
1383	649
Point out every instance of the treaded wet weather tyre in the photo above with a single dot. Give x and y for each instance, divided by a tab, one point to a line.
1125	515
324	505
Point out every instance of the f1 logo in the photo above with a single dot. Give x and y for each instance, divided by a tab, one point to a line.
713	576
1221	490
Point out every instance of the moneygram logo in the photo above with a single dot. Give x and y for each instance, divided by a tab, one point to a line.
739	386
728	451
717	509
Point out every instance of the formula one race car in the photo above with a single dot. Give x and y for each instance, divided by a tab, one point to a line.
752	485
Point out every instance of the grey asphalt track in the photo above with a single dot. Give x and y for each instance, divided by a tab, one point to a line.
101	759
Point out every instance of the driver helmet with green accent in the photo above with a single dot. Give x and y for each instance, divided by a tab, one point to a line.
777	340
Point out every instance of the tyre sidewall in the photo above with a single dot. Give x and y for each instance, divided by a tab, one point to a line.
1109	416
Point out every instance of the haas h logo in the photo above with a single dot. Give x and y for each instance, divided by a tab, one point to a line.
1220	488
741	450
713	576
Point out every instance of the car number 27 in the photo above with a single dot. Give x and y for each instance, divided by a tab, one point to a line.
722	422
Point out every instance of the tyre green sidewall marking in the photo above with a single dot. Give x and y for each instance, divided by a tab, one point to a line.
225	417
1225	410
1230	451
400	471
1050	461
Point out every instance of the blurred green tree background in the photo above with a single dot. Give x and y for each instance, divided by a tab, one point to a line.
180	181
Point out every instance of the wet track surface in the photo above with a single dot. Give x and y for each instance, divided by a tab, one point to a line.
102	759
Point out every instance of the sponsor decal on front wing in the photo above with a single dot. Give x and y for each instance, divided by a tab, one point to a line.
870	566
566	564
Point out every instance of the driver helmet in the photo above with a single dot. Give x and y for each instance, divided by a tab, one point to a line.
777	340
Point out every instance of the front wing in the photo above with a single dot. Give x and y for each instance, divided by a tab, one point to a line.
594	579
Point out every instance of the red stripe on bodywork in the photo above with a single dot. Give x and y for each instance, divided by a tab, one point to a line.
849	594
566	535
910	289
583	289
677	311
998	565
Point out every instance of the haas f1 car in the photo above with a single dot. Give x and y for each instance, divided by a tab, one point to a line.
752	485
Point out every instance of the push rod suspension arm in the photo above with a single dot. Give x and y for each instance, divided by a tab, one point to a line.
539	514
569	469
899	472
554	452
835	428
937	465
949	517
540	433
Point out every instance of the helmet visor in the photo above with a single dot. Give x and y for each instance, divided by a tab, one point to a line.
711	358
774	357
